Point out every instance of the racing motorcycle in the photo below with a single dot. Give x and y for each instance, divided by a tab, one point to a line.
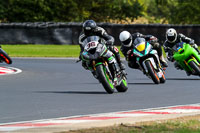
148	60
187	57
4	57
93	54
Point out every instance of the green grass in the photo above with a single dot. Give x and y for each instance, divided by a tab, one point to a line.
174	126
42	50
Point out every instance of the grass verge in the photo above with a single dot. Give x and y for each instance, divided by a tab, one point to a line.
43	50
189	124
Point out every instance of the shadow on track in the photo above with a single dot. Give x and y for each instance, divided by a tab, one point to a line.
72	92
142	84
182	78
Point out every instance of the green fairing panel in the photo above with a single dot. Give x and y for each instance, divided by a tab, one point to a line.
188	51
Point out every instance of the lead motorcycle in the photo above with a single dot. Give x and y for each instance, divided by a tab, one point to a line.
148	60
93	54
4	57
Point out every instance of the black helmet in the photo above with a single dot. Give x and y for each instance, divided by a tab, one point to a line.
89	26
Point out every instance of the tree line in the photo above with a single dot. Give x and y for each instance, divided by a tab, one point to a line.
119	11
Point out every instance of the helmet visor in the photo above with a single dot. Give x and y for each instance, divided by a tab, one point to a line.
171	38
128	41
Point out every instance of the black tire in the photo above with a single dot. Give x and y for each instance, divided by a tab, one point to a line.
123	87
152	72
4	57
163	79
195	67
105	79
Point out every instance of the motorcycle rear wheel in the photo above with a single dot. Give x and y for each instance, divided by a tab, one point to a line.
4	57
152	72
105	79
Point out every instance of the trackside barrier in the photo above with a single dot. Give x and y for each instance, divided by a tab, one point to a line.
68	33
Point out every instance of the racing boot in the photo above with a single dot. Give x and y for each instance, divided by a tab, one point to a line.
121	65
163	62
115	71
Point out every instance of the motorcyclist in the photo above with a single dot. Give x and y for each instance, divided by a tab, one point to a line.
90	28
127	40
172	38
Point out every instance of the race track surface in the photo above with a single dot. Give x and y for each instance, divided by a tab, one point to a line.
51	88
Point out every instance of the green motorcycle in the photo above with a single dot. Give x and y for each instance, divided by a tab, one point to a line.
93	54
187	57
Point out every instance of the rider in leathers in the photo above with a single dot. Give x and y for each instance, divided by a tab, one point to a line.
91	29
172	38
127	41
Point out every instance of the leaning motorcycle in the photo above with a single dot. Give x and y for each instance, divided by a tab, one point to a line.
187	57
4	57
148	60
93	54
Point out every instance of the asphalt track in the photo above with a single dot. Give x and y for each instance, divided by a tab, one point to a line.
51	88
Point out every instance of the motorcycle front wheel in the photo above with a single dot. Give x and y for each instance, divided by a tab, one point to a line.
152	72
123	87
4	57
162	79
195	67
105	79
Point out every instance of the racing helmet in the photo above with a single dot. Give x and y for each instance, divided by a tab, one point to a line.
126	38
89	26
171	35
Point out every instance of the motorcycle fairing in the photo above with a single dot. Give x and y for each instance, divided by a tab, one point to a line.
185	54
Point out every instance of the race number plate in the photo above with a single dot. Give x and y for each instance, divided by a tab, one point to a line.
91	45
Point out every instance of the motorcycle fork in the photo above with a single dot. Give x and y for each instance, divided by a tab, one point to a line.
107	66
94	65
104	63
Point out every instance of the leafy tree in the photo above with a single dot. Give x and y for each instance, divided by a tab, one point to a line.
60	10
187	12
123	9
3	4
24	10
161	9
41	10
103	10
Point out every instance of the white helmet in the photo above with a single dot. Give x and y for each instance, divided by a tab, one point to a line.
171	35
126	38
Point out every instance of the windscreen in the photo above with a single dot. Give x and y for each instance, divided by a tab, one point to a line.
91	39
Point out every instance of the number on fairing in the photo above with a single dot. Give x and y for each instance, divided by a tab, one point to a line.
91	45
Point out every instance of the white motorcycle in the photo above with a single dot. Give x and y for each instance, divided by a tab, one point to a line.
148	60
